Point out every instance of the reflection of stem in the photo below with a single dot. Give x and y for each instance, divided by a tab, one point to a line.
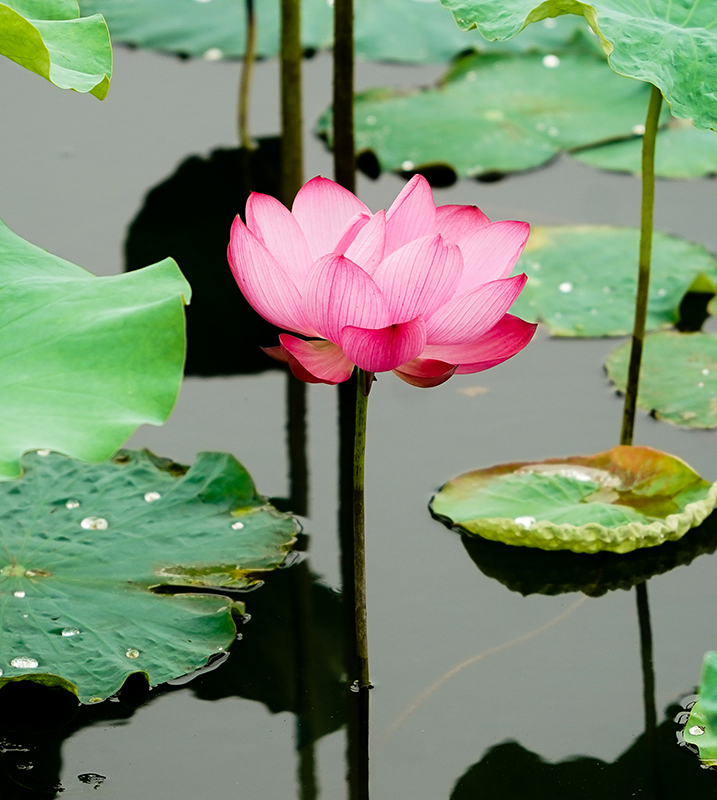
291	137
648	688
491	651
305	694
643	281
343	101
308	788
245	83
298	462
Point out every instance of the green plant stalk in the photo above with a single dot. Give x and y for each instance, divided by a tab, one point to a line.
343	95
359	529
291	117
643	280
246	73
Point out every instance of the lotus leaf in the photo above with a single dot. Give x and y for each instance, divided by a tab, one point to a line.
50	38
669	43
619	500
678	377
84	360
701	726
83	545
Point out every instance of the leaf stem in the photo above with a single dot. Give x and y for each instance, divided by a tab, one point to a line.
643	281
291	117
246	73
343	99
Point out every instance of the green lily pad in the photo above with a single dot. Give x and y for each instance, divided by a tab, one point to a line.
50	38
84	360
671	45
582	280
701	726
682	152
385	30
83	545
497	114
678	377
619	500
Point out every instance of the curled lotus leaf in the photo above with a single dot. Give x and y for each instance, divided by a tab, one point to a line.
701	726
106	569
620	500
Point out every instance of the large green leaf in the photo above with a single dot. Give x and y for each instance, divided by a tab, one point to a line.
701	726
678	377
497	114
619	500
385	30
50	38
84	360
682	152
582	280
669	43
84	544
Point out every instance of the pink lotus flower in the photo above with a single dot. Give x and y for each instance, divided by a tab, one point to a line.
419	290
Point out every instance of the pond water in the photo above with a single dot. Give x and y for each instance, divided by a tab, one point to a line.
537	696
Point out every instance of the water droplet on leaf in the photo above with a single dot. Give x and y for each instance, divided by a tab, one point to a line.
132	653
94	524
19	593
43	453
705	372
525	522
24	662
551	61
407	166
72	504
70	632
151	497
238	526
638	130
213	54
566	287
697	730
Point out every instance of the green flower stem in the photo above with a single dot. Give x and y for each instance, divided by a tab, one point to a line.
298	459
643	281
343	100
291	133
359	529
245	83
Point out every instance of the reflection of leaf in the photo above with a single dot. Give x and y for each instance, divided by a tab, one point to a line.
84	360
483	121
670	44
539	572
662	770
385	30
83	544
188	217
582	280
619	500
678	377
49	38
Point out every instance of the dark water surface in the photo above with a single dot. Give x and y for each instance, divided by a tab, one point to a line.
73	175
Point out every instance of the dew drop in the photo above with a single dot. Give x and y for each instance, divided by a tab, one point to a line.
24	662
72	503
701	385
70	632
697	730
551	61
94	524
132	653
238	526
0	673
19	593
638	130
407	166
43	453
151	497
705	372
566	287
525	522
213	54
37	573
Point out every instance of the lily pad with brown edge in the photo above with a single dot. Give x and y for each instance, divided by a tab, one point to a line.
122	567
620	500
582	279
678	377
701	726
530	571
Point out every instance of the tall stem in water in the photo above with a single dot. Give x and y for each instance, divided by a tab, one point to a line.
291	131
245	83
343	100
643	281
359	528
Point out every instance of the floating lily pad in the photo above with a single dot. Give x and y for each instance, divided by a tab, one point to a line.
484	120
50	38
530	571
678	377
619	500
701	726
671	45
83	545
582	280
84	360
385	30
682	152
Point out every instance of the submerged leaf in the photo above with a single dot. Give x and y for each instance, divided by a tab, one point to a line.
672	45
678	377
50	38
619	500
84	360
582	279
83	545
